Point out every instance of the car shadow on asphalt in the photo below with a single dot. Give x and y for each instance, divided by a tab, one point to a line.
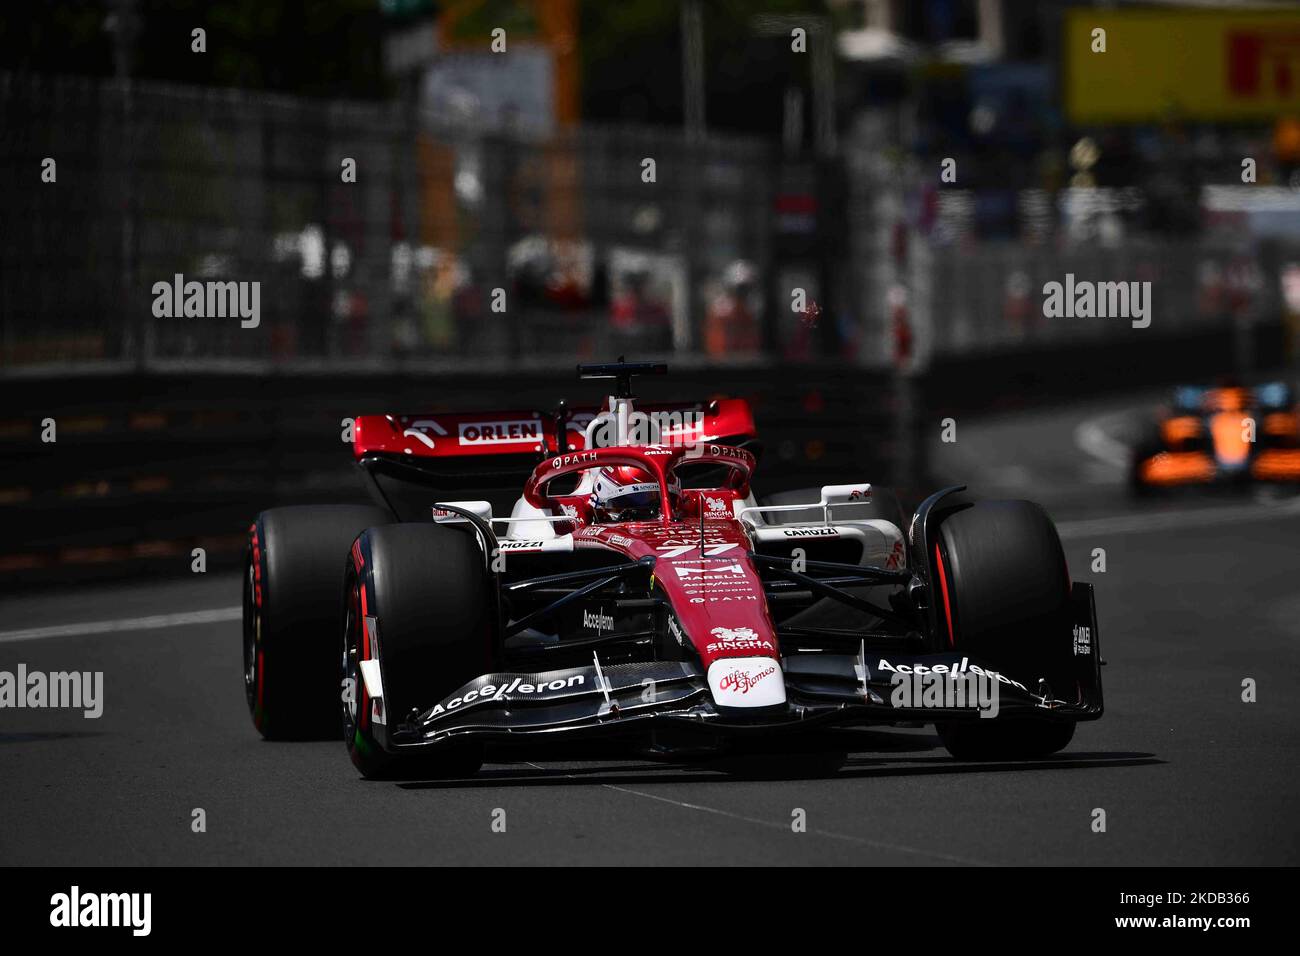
28	737
777	767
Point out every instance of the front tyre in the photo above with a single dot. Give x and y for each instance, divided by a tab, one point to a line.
419	602
1005	739
291	606
1002	591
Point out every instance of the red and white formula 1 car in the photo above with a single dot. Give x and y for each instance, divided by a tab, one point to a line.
638	587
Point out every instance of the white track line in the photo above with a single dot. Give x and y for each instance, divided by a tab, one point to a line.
214	615
1094	438
771	825
785	827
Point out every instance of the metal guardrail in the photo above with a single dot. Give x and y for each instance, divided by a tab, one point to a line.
494	250
372	230
990	298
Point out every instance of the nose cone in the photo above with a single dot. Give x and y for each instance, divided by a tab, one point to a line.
747	682
1231	447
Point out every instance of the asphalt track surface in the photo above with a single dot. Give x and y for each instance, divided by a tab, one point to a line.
1197	596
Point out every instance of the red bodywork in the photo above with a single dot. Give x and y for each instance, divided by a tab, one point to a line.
459	434
702	565
717	594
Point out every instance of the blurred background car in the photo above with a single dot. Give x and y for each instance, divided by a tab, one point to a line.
1227	435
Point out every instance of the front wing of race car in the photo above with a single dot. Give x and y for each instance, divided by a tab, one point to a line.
820	689
1168	469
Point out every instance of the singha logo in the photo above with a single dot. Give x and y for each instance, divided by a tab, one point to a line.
737	639
716	505
734	634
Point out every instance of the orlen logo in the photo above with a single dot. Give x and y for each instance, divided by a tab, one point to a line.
727	451
743	682
500	433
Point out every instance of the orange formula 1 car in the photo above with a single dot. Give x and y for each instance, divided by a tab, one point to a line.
1227	435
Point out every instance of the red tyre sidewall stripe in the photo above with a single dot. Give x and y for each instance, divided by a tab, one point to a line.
943	586
258	582
257	568
261	671
363	638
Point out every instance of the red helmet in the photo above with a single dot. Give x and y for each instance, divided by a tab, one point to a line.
626	493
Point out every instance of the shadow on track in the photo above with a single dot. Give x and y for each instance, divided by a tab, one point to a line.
862	762
21	737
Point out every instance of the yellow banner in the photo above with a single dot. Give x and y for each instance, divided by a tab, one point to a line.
1196	65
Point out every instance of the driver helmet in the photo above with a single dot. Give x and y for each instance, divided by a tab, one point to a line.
625	493
739	276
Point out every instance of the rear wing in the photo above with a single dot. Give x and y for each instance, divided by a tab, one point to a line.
443	435
412	460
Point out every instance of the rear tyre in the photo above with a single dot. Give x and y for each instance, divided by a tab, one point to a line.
292	596
429	592
1003	593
